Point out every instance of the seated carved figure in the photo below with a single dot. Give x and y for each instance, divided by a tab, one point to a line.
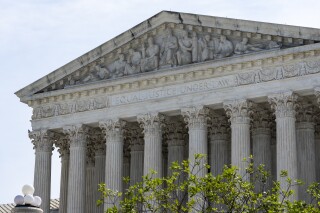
119	67
185	48
225	48
150	56
97	73
169	49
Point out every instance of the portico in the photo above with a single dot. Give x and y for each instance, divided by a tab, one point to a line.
127	101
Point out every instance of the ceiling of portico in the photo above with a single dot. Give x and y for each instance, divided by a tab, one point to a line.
168	40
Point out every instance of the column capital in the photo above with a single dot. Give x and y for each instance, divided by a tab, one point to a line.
135	138
219	128
112	128
77	135
63	144
262	121
42	140
176	131
239	111
151	122
196	116
306	113
284	104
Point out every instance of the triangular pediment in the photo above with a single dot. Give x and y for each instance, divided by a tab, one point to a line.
171	39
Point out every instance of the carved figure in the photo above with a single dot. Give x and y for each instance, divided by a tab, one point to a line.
206	46
119	67
273	45
243	47
97	73
133	60
150	56
225	48
185	48
169	49
195	47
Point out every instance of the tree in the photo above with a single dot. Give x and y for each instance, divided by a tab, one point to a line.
184	191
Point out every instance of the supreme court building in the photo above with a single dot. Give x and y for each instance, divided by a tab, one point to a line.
175	85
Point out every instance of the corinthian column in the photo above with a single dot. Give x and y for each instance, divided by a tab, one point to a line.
77	168
42	141
126	167
317	150
152	129
99	168
306	149
176	143
90	189
196	119
136	154
219	141
63	144
113	130
284	105
239	112
261	136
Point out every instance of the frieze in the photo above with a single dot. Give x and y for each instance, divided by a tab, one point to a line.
254	76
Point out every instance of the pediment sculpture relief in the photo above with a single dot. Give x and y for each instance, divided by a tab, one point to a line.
174	47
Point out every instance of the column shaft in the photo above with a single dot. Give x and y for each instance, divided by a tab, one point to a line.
284	105
306	157
42	170
77	169
114	157
90	189
239	111
136	164
99	176
64	184
152	143
219	153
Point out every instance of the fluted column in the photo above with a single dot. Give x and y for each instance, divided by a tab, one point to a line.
152	129
136	164
114	156
306	148
261	138
42	141
196	119
284	105
64	150
273	153
126	167
317	150
99	168
77	168
239	112
176	143
219	140
90	188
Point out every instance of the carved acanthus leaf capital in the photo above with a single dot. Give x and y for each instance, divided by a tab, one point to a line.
306	113
77	134
113	129
262	121
63	144
284	104
151	123
239	111
219	125
42	140
196	117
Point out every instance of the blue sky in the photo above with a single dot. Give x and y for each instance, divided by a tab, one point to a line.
39	36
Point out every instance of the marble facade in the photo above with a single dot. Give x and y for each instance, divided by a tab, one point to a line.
173	86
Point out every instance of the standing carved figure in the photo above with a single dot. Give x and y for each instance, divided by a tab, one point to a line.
169	49
185	48
225	47
133	60
195	47
206	48
150	56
